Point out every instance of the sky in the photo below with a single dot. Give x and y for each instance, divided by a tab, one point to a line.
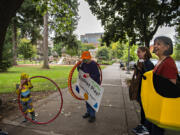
88	23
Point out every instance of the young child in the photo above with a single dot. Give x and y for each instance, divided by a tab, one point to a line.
25	95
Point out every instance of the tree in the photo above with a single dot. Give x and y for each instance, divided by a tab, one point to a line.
45	42
177	52
8	9
103	53
26	49
62	20
57	48
72	51
86	47
177	44
138	19
27	20
72	45
133	55
117	49
7	51
14	41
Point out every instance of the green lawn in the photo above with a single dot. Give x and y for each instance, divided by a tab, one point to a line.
59	74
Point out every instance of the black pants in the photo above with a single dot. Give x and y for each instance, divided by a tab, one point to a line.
144	121
155	130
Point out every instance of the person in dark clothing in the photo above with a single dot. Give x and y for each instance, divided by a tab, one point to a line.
144	64
91	69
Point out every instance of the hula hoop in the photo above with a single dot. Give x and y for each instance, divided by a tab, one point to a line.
59	111
70	79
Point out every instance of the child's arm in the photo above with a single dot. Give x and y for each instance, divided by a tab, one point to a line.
30	84
22	83
17	89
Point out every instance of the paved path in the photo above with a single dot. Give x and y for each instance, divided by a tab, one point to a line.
117	114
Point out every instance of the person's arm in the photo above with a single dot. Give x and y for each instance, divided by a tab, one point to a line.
17	89
95	75
170	71
173	80
30	84
22	83
79	66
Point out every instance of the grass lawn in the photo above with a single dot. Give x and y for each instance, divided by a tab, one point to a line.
59	74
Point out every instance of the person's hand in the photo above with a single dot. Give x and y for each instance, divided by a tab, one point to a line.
23	81
20	87
86	75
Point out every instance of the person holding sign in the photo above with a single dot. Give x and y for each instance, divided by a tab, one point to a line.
90	69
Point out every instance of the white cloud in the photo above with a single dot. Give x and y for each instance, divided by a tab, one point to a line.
88	23
165	31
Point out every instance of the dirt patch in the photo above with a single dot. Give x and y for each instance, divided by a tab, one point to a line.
9	104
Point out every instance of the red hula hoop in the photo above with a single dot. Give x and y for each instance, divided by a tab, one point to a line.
70	79
59	111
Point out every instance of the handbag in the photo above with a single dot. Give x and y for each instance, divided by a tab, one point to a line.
135	82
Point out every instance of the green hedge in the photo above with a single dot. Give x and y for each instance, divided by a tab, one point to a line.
105	62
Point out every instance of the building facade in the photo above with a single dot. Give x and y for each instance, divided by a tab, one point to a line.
91	38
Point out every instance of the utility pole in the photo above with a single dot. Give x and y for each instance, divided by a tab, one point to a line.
128	72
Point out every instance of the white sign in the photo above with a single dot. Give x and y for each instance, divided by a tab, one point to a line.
90	90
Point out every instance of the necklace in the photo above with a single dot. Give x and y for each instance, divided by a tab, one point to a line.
160	61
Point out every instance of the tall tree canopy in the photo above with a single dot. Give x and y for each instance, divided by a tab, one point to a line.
8	9
137	19
62	17
61	20
29	21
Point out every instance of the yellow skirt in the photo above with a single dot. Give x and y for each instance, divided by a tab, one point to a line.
161	101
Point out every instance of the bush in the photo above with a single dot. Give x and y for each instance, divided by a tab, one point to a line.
87	47
26	49
5	65
105	62
103	53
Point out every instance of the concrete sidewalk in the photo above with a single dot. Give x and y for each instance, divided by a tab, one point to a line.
117	114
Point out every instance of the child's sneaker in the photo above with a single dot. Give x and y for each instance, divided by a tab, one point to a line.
25	120
140	130
145	129
33	116
86	115
3	133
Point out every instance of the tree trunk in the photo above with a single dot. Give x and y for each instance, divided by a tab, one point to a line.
45	42
147	42
8	9
14	42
